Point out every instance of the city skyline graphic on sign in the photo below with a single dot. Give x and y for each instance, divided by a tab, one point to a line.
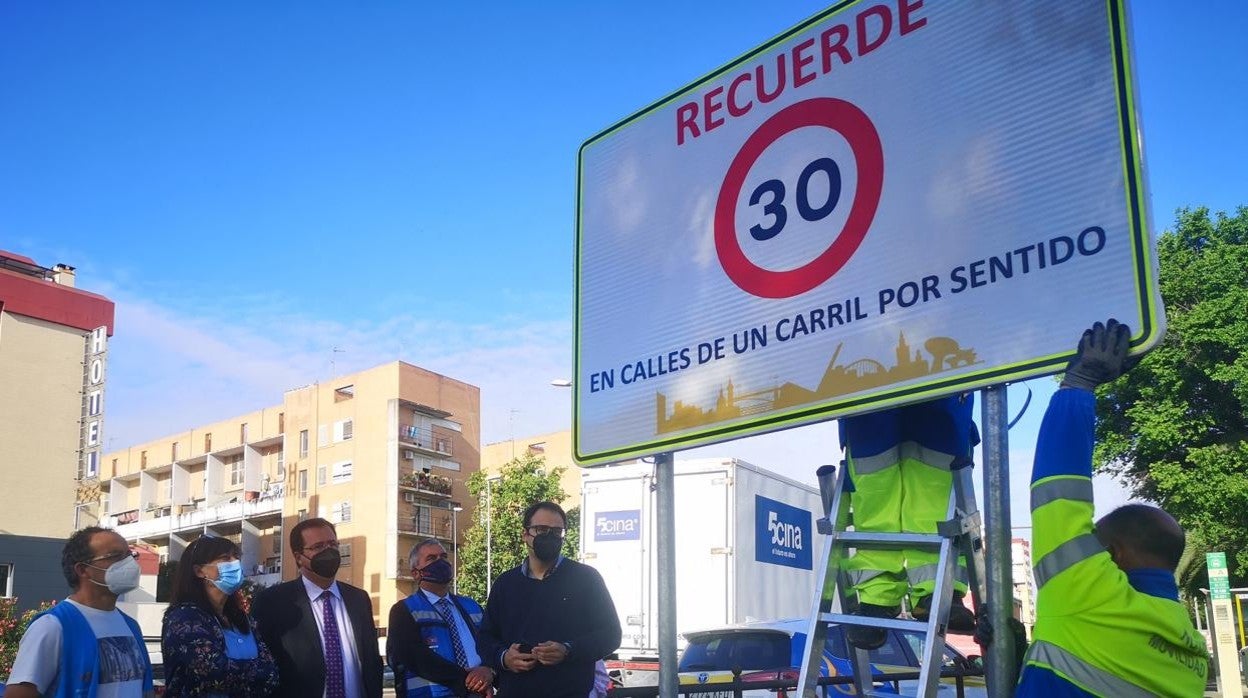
838	379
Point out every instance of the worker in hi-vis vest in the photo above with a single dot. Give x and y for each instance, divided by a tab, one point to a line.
900	466
1108	617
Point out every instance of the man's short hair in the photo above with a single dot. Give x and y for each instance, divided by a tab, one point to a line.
548	506
414	556
1149	532
296	533
78	549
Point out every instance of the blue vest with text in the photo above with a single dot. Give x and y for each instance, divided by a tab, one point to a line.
79	674
435	633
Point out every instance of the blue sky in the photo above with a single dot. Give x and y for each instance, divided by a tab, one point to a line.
257	184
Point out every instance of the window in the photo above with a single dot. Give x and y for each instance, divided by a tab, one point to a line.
277	540
242	433
142	459
235	466
6	579
344	549
322	474
173	452
281	462
343	430
346	392
341	513
208	443
303	483
169	490
281	422
342	472
303	443
301	514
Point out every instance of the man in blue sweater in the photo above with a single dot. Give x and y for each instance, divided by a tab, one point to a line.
548	621
1109	621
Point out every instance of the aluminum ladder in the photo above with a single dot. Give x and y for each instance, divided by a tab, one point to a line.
959	535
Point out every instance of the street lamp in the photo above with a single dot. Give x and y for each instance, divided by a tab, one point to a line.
455	509
489	539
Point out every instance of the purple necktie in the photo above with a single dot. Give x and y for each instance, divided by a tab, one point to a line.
335	683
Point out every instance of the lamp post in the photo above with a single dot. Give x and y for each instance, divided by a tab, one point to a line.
455	509
489	539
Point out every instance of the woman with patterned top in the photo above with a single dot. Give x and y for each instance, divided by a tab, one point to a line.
209	642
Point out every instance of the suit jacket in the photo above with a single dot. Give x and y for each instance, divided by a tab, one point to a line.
284	619
407	652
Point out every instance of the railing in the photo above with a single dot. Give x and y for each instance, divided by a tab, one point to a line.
426	482
426	438
166	522
437	525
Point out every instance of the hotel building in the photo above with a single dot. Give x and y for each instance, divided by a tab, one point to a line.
53	348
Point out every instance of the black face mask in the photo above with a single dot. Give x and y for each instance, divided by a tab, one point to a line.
547	546
326	562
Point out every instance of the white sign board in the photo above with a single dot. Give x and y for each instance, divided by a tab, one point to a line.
893	201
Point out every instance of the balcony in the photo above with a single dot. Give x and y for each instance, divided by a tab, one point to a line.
426	483
428	524
425	439
166	522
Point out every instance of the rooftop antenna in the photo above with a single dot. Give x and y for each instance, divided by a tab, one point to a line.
333	361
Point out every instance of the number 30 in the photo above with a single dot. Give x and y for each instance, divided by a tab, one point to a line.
775	207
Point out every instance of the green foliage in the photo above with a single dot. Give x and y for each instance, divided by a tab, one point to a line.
519	483
1175	428
13	625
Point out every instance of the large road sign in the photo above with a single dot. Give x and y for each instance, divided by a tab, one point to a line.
894	200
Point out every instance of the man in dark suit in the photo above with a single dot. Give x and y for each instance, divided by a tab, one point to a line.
432	640
320	630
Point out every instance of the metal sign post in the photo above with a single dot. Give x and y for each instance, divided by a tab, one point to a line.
1000	655
665	505
1222	626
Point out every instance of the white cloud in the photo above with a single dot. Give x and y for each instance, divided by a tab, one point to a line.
170	370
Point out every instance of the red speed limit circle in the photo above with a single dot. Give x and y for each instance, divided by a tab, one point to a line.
827	112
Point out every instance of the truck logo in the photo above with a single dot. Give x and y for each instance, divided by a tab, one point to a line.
617	525
781	534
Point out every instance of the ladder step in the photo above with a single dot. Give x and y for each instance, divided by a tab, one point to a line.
890	623
872	539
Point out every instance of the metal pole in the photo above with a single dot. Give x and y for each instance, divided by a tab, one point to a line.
665	505
1000	654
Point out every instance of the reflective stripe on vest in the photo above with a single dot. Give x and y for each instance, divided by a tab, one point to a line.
857	577
868	465
1075	489
1066	555
1089	677
927	573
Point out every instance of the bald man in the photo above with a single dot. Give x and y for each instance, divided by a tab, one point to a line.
1108	620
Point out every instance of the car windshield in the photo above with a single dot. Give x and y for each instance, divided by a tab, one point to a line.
751	651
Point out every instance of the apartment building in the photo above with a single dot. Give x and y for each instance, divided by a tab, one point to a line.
53	355
555	447
383	453
1024	582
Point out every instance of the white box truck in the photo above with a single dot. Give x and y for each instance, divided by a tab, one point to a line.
745	541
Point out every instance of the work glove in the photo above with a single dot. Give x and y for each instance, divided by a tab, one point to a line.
1102	356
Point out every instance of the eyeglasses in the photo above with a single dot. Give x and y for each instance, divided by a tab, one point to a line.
318	547
543	530
112	556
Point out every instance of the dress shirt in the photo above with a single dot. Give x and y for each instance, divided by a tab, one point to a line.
352	679
465	635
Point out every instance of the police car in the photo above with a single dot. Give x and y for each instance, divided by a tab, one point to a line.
773	651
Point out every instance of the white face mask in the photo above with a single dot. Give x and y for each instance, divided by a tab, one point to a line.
121	577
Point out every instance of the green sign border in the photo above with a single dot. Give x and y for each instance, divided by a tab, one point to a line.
1137	213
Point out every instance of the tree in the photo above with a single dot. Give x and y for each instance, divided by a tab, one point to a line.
1175	428
521	482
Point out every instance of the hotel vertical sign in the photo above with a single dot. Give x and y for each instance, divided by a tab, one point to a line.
94	365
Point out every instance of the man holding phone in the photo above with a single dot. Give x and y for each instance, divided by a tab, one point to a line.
549	620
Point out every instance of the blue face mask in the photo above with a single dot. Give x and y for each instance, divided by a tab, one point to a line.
229	576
